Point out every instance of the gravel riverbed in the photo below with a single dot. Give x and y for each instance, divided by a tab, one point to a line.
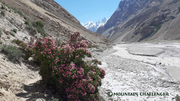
149	75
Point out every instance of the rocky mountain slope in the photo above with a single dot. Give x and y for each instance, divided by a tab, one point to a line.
20	20
143	20
57	21
94	26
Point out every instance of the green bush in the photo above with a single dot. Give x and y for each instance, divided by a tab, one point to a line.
33	26
12	33
39	26
17	41
177	98
27	50
14	30
12	52
30	27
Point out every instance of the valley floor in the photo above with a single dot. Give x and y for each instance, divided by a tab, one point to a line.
135	70
132	71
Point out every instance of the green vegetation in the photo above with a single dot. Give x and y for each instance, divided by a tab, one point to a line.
101	98
33	26
25	38
177	98
30	27
12	52
39	26
63	67
17	11
156	30
12	33
14	30
17	41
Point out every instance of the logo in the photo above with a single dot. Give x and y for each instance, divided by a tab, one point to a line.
110	94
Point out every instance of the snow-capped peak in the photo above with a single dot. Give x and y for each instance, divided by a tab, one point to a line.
101	22
89	24
94	26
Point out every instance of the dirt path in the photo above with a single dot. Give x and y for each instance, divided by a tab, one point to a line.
22	82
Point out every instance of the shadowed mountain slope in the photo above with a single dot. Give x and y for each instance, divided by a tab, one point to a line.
143	20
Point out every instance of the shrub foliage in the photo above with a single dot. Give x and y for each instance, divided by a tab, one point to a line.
12	52
64	68
33	26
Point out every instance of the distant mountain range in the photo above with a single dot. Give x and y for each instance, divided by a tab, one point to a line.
94	26
143	20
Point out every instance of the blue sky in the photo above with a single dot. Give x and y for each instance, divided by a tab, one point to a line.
90	10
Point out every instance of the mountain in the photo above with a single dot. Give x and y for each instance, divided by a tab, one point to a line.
143	20
57	21
91	26
94	26
20	22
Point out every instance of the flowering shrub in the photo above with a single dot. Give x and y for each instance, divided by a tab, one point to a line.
64	68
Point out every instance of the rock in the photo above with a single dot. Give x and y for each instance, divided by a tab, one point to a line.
1	94
1	41
6	32
97	50
4	85
30	59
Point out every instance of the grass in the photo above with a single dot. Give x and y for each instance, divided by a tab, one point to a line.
12	52
30	27
17	11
